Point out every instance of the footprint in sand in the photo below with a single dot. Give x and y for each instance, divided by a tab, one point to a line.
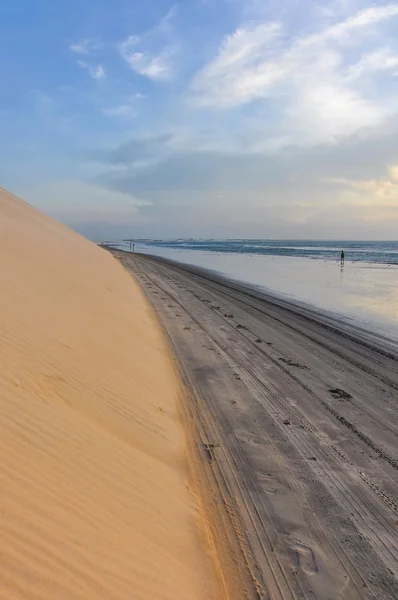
249	438
305	558
340	394
291	363
268	483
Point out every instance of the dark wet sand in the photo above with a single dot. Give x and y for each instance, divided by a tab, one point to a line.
297	417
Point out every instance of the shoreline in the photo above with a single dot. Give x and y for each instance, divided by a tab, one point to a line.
297	423
368	333
366	294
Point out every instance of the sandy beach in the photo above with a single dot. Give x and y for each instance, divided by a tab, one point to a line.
297	420
97	496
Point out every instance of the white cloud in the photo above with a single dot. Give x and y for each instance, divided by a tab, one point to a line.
123	110
311	78
393	171
151	54
381	192
382	59
126	110
243	70
97	72
368	16
85	46
154	67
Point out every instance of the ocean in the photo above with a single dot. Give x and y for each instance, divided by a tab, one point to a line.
370	252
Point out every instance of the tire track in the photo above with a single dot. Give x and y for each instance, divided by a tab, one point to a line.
223	289
364	438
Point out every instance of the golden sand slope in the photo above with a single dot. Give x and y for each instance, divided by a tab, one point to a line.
94	497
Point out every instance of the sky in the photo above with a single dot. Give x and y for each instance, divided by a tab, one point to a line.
203	118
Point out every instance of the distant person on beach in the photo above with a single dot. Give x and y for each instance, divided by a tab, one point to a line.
342	257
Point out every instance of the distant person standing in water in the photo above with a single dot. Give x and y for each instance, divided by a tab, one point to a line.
342	257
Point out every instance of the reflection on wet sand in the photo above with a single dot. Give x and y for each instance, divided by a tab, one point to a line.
365	292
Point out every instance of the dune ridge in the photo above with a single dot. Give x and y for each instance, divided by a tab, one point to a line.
95	500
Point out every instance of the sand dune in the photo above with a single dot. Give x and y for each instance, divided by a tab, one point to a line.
95	497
